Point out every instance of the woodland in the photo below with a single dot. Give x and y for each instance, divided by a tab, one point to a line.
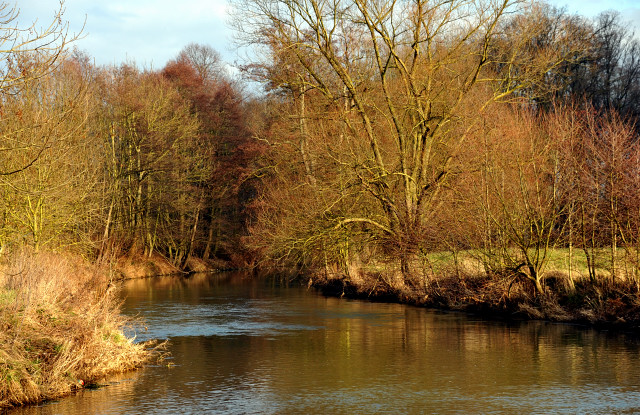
474	155
471	154
496	137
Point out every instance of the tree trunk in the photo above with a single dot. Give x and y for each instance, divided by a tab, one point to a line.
107	229
535	278
209	247
405	269
192	239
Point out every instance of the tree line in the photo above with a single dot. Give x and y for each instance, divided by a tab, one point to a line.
388	131
501	130
106	161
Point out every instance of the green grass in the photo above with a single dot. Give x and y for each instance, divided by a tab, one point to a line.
7	296
558	260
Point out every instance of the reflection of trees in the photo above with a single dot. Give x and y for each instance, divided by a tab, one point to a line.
355	346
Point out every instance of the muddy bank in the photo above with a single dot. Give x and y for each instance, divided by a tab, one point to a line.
133	266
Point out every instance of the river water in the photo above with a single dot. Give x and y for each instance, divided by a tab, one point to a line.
242	346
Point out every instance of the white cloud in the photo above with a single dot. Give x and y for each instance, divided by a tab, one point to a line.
149	32
154	31
629	9
591	8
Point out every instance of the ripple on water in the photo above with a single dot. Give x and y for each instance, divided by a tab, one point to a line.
231	319
239	347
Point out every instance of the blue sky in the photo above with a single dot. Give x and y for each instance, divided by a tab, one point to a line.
151	32
147	32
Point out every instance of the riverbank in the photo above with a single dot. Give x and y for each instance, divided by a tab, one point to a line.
136	265
244	344
603	303
61	328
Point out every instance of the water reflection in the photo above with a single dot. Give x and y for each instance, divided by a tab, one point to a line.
247	346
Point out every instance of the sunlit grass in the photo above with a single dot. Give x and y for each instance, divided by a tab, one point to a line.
61	328
558	260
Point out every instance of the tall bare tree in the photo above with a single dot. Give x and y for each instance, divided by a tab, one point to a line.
205	60
400	84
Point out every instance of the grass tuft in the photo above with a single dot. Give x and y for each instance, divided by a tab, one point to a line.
60	328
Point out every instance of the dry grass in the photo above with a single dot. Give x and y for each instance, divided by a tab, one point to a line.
466	287
59	325
135	265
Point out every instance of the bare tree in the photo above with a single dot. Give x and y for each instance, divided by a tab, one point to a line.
28	54
50	202
149	126
206	60
519	178
400	86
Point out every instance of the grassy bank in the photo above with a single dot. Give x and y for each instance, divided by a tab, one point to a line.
60	328
460	282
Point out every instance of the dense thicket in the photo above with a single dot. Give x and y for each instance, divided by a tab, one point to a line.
389	131
499	130
108	161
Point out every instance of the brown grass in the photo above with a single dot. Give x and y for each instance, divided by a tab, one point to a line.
137	265
59	325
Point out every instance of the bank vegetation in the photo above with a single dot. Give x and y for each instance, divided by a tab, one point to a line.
467	154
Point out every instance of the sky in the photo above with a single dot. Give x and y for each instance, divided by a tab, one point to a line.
152	32
146	32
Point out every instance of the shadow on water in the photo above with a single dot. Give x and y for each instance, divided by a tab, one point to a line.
241	345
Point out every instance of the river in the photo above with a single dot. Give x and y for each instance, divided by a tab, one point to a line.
242	346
